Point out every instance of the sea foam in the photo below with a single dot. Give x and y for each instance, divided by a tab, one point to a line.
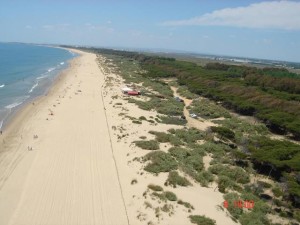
33	87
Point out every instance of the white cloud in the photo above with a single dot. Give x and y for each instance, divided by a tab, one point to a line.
273	14
48	26
61	26
99	27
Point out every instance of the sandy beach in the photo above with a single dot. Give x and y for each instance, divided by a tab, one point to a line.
68	158
69	176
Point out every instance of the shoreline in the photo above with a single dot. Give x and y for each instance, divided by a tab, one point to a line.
15	111
21	112
56	163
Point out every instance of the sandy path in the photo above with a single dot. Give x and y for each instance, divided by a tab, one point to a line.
70	176
191	122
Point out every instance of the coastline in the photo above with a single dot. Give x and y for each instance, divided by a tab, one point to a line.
14	124
81	185
52	75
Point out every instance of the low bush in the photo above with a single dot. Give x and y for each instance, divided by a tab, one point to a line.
136	121
204	178
202	220
185	204
236	174
154	187
175	179
223	132
277	192
188	136
161	136
160	162
172	120
184	91
148	145
234	211
208	109
170	196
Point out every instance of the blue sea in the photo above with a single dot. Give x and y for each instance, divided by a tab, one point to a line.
27	71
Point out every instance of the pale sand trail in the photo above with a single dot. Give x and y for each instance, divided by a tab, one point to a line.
70	176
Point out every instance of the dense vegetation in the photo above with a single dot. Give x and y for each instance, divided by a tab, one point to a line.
270	94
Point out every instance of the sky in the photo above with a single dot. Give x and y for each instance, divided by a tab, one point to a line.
246	28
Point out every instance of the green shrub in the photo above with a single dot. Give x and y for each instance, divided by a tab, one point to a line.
185	204
161	136
148	145
204	178
208	109
183	91
136	121
155	187
277	192
264	184
142	118
202	220
172	120
190	135
188	160
223	132
296	215
161	196
225	182
175	179
257	218
175	141
179	153
170	196
165	137
236	174
234	211
160	162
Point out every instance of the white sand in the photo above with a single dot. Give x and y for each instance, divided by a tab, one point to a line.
70	176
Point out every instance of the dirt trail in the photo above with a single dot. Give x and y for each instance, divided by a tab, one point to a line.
192	122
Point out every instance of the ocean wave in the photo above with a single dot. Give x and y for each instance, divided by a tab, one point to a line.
41	77
13	105
51	69
18	102
62	63
33	87
2	85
